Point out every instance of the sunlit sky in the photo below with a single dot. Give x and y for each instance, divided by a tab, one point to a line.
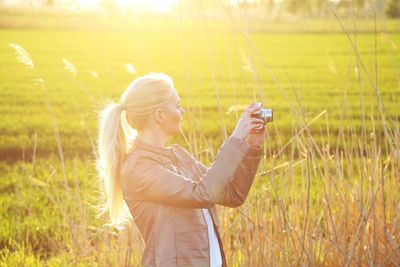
158	6
161	6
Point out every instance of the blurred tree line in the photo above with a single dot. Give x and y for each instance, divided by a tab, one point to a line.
320	8
309	8
256	8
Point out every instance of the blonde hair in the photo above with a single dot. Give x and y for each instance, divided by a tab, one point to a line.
139	100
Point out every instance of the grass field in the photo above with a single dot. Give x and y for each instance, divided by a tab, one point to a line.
326	192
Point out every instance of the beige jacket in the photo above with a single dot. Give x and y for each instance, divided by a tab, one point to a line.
166	188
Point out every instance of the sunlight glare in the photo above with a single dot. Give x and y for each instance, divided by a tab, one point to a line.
157	6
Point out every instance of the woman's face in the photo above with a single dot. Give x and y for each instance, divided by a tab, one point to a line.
173	114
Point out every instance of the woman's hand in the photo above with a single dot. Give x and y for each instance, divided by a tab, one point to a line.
256	137
246	125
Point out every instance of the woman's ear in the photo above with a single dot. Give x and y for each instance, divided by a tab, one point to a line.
159	115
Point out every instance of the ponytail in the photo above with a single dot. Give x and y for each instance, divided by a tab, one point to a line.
112	149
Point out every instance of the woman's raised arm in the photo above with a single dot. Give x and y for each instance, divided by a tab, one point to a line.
145	179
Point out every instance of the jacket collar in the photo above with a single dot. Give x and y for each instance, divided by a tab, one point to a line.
165	151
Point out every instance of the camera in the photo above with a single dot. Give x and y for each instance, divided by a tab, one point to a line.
265	114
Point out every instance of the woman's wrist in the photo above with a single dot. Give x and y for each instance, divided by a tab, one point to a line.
254	151
248	147
254	147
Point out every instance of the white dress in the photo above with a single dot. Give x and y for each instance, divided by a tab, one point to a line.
215	252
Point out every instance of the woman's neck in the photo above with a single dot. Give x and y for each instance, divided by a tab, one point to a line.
150	137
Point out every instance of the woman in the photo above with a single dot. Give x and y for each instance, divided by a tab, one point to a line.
170	195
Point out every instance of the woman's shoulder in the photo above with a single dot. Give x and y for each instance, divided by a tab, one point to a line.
180	149
186	157
140	156
182	153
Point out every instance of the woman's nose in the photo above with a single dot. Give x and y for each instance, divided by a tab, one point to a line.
183	110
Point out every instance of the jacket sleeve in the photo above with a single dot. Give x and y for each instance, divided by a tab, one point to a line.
238	188
145	179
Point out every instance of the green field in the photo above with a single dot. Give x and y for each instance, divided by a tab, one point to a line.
334	145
